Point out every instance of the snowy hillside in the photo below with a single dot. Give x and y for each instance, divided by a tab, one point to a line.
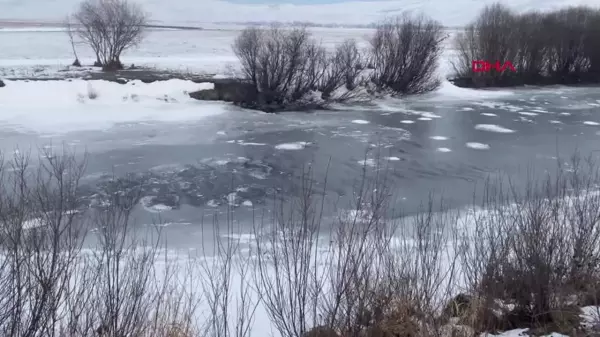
450	13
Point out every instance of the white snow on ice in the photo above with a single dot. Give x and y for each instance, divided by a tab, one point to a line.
368	162
493	128
292	146
524	113
477	146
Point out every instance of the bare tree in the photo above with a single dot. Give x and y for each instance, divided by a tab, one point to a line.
71	34
110	27
405	54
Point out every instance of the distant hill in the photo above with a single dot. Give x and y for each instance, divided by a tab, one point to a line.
357	13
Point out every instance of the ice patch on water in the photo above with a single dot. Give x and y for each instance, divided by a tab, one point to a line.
157	208
565	114
424	118
438	138
407	122
477	146
493	128
489	114
367	162
555	122
443	149
467	109
360	121
591	123
392	158
241	142
524	113
221	133
292	146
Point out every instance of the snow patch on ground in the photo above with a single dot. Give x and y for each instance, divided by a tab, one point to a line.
392	158
493	128
55	107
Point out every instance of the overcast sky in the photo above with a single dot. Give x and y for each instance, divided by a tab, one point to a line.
290	1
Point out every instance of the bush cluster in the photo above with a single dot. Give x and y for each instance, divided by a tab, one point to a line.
559	47
291	70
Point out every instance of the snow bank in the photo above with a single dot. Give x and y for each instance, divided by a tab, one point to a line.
63	106
449	91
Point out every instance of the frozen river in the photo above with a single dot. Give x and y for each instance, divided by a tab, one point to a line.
194	157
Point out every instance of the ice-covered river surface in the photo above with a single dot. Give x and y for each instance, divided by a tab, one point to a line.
193	158
443	143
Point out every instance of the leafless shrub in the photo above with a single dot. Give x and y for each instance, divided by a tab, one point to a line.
405	53
110	27
225	268
286	271
41	234
91	92
343	70
287	67
535	250
354	270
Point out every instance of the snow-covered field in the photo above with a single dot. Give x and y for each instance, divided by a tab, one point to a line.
189	12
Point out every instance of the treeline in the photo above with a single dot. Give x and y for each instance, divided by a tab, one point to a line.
288	69
559	47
